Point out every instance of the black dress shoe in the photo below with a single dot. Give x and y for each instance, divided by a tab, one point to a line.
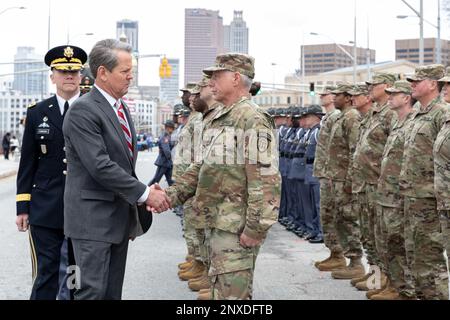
316	240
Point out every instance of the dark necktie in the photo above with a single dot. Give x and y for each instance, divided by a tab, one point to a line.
66	107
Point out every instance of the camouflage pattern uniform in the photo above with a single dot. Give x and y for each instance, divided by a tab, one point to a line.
237	185
343	139
391	202
417	185
183	158
377	126
326	195
441	154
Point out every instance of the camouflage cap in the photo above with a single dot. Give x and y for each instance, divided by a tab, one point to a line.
204	82
342	88
359	89
188	87
446	78
430	72
383	77
401	86
195	90
326	90
235	62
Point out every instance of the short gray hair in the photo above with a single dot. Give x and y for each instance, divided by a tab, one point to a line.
246	81
104	54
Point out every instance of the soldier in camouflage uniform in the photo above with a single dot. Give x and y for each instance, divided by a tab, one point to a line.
423	230
343	139
185	152
390	201
442	170
376	127
326	196
237	184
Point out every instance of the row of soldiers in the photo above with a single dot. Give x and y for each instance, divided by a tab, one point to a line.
220	260
382	159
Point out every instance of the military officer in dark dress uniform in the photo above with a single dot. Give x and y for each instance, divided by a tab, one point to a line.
42	171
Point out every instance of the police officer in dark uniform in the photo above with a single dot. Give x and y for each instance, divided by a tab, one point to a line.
87	80
313	121
42	170
285	133
164	160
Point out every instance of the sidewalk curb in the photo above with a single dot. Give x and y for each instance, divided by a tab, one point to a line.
8	174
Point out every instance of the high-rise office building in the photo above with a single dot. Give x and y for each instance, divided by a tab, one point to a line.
408	49
236	34
129	29
322	58
30	72
203	41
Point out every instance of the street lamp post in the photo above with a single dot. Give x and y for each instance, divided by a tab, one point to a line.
420	16
78	35
11	8
438	27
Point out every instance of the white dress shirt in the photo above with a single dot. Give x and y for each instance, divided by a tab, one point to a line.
112	101
62	102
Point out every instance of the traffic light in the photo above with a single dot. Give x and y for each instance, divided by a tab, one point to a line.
312	91
165	69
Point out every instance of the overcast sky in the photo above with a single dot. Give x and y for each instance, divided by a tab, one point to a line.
277	28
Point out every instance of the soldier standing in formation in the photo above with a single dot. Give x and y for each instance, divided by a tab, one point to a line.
425	251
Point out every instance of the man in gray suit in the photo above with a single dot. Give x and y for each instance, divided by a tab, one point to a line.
102	192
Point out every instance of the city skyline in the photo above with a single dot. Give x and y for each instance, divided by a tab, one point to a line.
277	29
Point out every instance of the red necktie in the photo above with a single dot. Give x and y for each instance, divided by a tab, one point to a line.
125	128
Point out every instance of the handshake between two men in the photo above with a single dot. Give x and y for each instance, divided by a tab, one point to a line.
157	200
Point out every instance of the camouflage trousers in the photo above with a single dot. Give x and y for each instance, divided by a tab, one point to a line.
232	267
328	217
426	252
397	267
204	236
445	227
193	243
346	222
365	203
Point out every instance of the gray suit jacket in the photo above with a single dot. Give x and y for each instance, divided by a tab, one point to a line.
101	186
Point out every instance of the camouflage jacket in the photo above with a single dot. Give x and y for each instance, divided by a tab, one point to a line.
238	182
417	174
189	141
391	165
343	139
322	144
372	139
442	167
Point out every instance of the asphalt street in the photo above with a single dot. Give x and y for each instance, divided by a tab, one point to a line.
284	268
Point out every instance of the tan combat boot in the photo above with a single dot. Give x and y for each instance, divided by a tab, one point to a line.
384	284
354	269
336	261
390	293
364	285
204	295
200	283
196	271
332	255
355	281
187	263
